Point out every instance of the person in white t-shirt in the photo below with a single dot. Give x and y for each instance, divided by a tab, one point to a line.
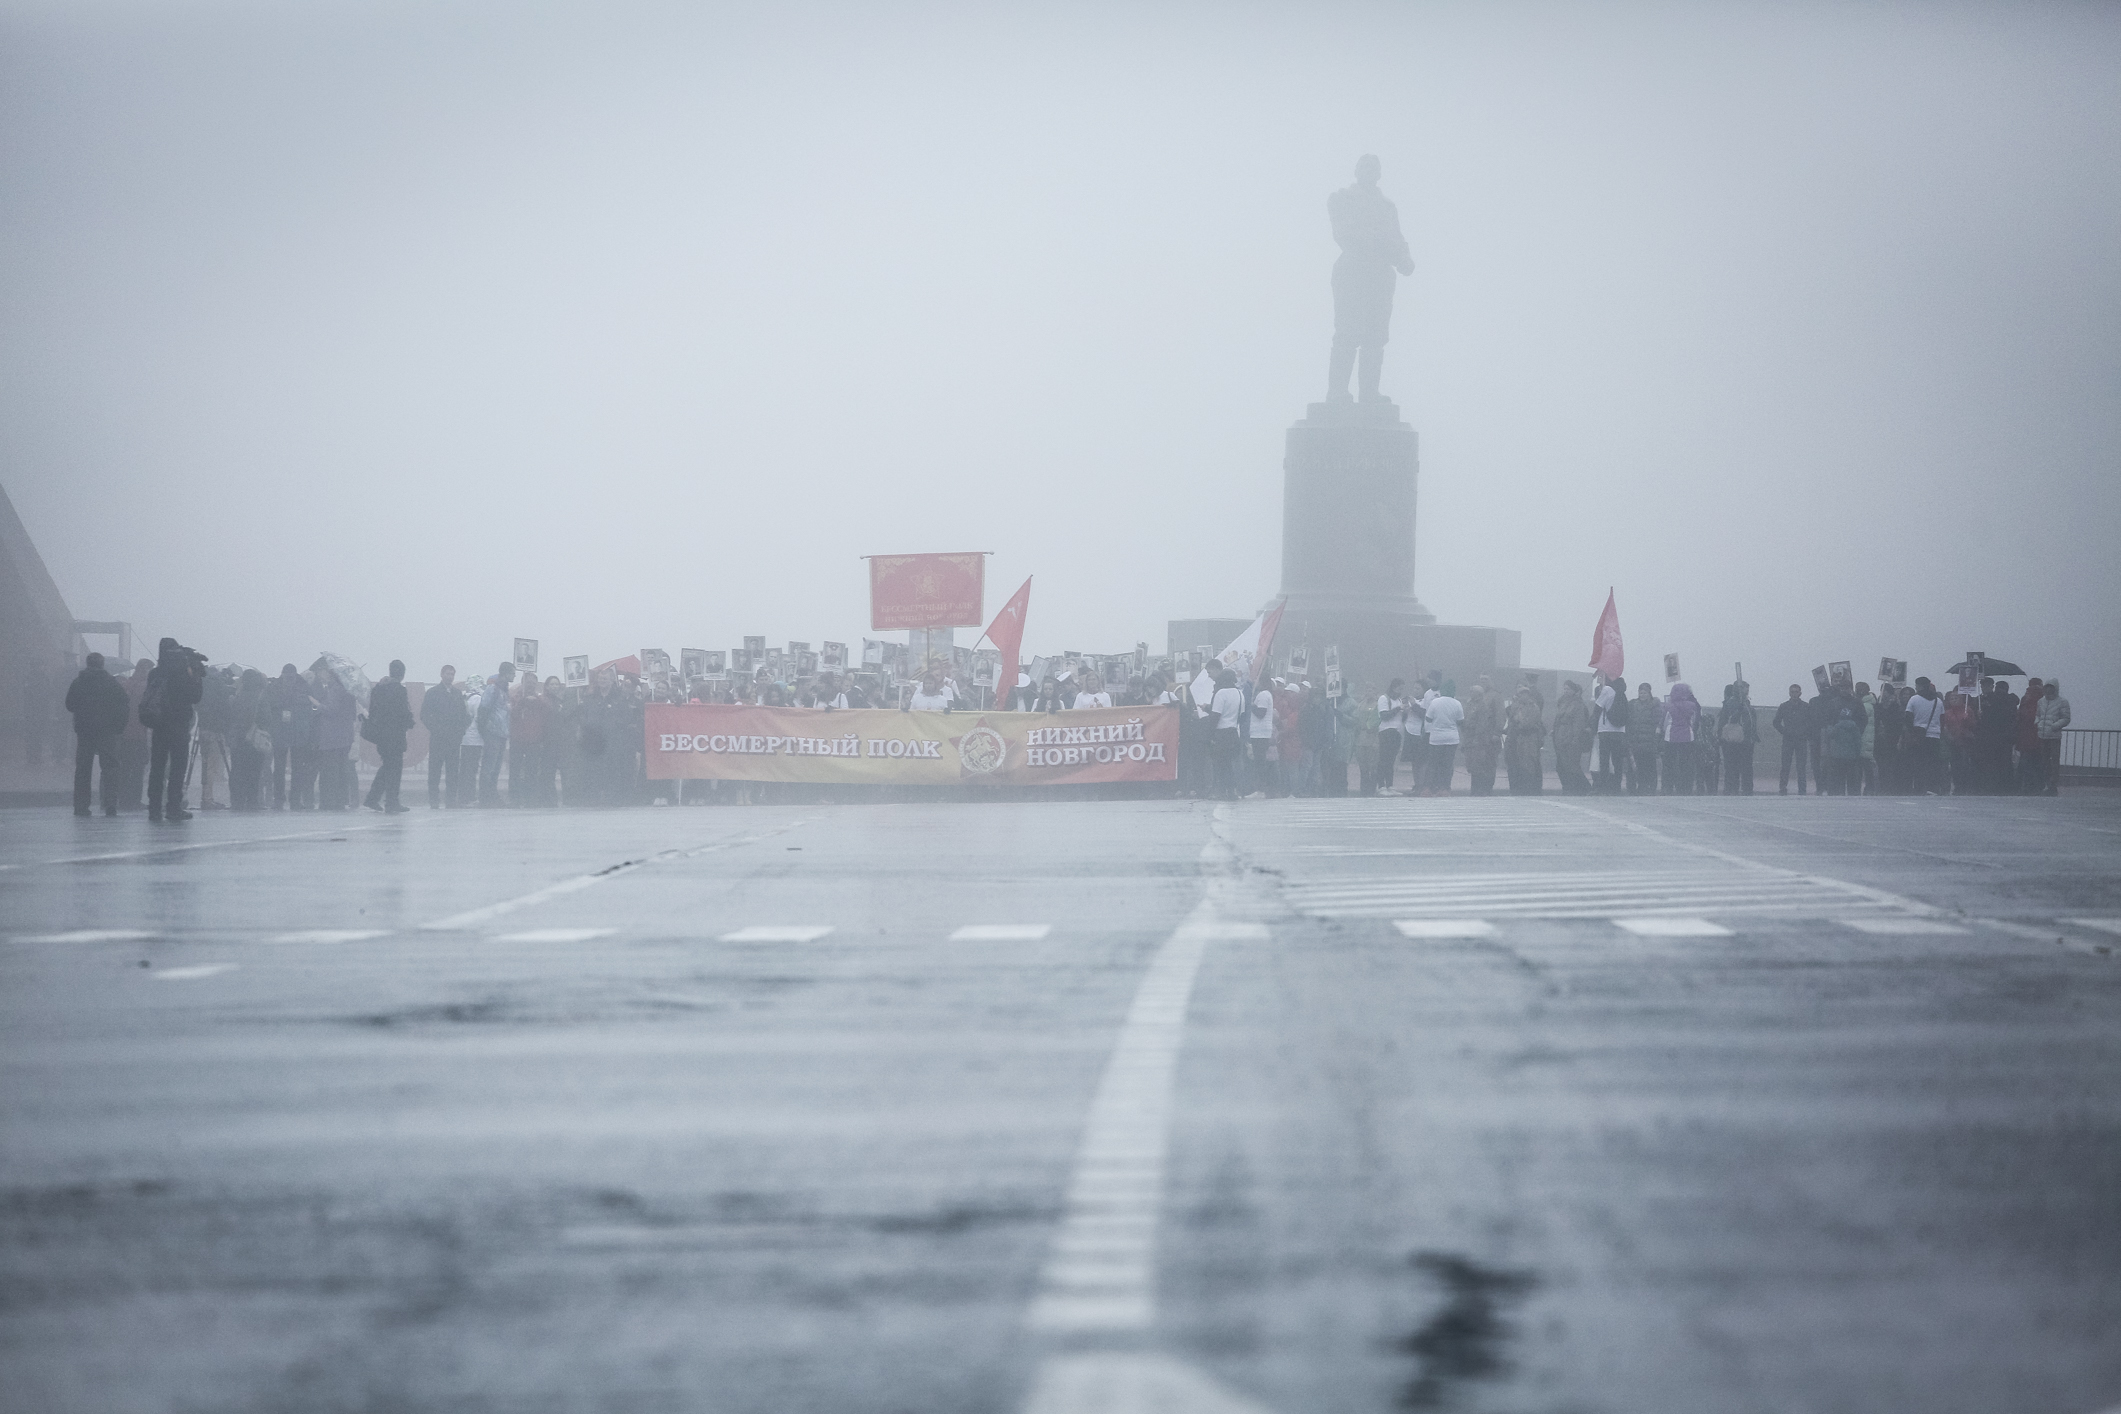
1259	742
1925	718
1227	740
1391	733
932	695
1093	693
1443	713
1612	735
1415	749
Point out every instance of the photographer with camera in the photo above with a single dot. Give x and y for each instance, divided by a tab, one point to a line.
173	689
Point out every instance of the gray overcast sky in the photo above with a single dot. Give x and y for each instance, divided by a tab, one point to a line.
400	330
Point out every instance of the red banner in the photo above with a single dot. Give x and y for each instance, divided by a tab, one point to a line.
880	746
927	591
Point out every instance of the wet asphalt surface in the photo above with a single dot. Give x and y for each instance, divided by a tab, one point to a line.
1849	1141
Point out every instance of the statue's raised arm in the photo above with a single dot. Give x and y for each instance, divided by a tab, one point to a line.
1373	254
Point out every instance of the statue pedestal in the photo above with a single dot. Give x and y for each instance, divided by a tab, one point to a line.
1347	555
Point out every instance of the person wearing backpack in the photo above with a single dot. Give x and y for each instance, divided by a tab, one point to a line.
1736	733
173	690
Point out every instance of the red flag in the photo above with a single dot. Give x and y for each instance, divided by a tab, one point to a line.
1007	634
1606	656
1266	634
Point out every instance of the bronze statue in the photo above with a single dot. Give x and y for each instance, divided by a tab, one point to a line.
1373	255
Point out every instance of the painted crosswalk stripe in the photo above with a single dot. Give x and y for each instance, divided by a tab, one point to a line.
799	933
1444	927
1900	926
193	974
556	935
1001	932
89	935
2104	925
330	935
1594	894
1672	927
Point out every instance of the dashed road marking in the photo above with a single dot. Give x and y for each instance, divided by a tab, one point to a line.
556	935
329	935
797	933
1444	927
1901	926
473	917
1672	927
89	935
1001	933
192	974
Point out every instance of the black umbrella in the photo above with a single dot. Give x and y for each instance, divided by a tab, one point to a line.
1990	668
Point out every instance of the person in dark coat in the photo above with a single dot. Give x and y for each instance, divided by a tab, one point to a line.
292	721
100	709
389	718
443	713
1737	732
173	690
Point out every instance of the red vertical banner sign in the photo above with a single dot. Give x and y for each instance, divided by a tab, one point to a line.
927	591
1606	655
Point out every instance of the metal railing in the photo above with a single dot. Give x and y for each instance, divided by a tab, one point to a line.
2091	749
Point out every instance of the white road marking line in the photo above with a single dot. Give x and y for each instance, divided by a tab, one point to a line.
1100	1273
472	918
182	848
1444	927
1099	1277
1672	927
1900	926
2104	925
1114	1382
556	935
88	935
1001	933
330	935
792	934
192	974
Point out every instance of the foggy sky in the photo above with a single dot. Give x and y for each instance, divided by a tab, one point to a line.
401	330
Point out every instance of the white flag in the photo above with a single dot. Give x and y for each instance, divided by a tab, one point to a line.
1247	650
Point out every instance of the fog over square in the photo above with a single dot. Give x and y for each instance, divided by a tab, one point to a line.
402	330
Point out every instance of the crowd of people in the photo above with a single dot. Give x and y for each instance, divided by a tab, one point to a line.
1289	738
288	742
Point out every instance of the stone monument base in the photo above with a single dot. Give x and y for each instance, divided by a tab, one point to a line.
1377	645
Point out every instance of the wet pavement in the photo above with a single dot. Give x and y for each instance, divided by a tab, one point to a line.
1497	1105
